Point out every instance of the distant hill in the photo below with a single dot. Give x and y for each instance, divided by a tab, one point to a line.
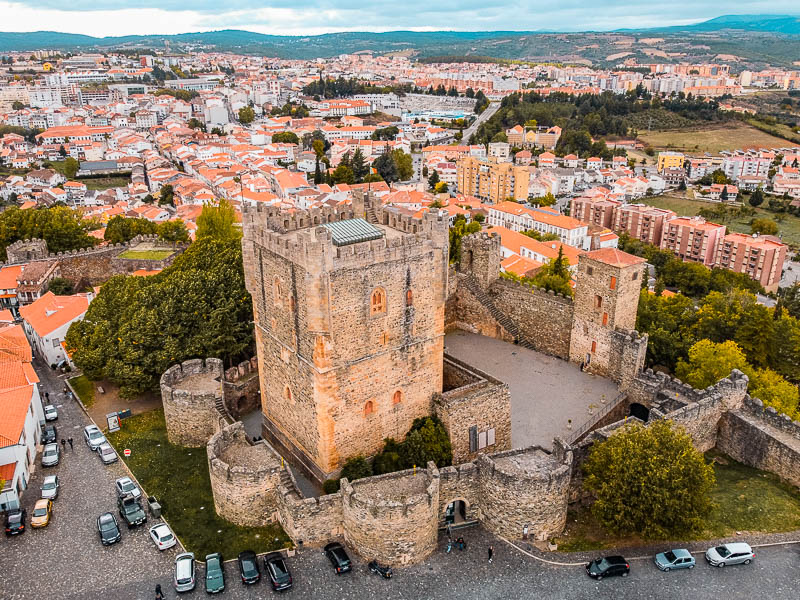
783	24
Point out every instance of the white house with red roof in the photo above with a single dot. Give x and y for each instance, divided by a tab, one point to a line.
47	320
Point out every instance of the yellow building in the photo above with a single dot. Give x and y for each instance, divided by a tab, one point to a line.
492	181
670	160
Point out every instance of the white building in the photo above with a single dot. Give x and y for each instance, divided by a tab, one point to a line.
47	320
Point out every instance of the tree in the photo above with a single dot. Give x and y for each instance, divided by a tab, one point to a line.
547	200
62	152
470	93
433	179
404	164
17	105
343	174
218	222
123	229
195	123
554	276
764	226
285	137
60	286
356	468
441	188
386	167
70	167
173	231
756	198
427	440
359	166
246	115
790	299
317	173
709	362
649	481
62	228
166	195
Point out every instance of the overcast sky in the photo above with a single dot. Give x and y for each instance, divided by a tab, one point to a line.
308	17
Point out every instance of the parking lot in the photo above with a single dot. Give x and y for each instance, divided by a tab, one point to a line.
66	560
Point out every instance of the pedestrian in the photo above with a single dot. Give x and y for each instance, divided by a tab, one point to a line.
47	397
63	445
159	593
71	447
491	553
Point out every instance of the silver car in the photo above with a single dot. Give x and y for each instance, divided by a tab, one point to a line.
184	572
735	553
50	413
93	437
107	454
50	487
126	487
51	455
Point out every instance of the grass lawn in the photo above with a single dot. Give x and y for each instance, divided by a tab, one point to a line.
104	183
746	500
84	388
146	254
179	478
731	136
789	228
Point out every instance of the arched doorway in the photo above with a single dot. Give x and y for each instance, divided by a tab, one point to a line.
640	411
455	513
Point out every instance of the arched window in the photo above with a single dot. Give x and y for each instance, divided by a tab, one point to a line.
377	302
287	394
409	298
277	291
369	408
397	398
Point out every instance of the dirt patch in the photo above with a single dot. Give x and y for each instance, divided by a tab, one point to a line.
110	401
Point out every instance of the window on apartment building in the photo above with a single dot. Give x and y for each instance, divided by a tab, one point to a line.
613	284
377	303
605	318
598	301
594	346
56	343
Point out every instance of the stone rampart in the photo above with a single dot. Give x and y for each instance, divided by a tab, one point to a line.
460	483
190	393
241	388
393	518
244	477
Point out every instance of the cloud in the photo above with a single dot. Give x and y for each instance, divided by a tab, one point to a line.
309	17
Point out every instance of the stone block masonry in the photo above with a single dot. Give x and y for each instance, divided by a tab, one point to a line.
190	393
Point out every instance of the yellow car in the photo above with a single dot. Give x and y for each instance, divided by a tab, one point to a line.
42	513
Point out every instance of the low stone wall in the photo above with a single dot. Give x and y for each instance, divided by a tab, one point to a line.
460	483
763	439
244	477
241	388
479	406
393	518
189	393
310	521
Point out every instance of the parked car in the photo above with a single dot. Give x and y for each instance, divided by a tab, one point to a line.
608	566
248	567
277	571
93	437
50	413
184	572
162	536
675	559
130	509
735	553
42	513
49	434
108	529
107	454
51	455
15	521
215	573
126	487
338	557
50	487
376	567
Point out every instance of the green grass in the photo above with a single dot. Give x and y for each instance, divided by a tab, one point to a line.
178	478
789	228
84	388
146	254
104	183
745	499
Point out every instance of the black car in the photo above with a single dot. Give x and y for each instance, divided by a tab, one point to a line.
49	435
608	566
338	557
248	567
277	571
108	528
384	571
131	511
15	521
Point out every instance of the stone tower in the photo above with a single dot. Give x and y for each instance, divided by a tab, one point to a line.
607	289
481	255
349	326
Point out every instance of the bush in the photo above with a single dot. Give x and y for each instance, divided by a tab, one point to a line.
330	486
426	441
356	468
389	460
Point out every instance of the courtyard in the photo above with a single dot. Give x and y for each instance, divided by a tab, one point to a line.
546	392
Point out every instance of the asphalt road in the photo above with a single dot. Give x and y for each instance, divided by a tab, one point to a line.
485	115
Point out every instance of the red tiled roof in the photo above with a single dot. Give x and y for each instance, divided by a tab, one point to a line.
612	256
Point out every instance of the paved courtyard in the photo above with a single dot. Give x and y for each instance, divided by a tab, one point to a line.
545	392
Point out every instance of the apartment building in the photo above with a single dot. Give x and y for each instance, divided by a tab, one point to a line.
669	160
518	217
760	257
746	165
693	239
642	222
491	181
598	212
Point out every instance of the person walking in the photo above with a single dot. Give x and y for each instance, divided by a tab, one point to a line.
47	397
71	447
491	553
63	445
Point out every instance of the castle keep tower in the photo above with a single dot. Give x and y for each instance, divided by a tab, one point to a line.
607	289
349	326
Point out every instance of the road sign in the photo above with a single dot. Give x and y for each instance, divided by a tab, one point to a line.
127	452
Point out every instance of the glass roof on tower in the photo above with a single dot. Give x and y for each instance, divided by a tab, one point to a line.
352	231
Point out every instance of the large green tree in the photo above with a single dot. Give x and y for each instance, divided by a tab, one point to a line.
649	481
246	115
218	222
61	227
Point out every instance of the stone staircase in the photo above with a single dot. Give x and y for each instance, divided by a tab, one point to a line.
371	216
220	406
498	315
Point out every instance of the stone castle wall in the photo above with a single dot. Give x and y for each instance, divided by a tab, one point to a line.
244	477
473	401
310	521
241	388
460	483
190	393
393	518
